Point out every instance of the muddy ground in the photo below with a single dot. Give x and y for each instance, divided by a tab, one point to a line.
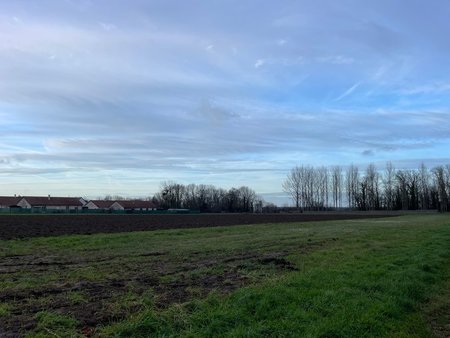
26	226
153	279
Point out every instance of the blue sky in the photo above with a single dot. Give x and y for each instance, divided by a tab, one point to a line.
113	97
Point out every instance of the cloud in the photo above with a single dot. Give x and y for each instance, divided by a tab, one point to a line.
336	59
107	26
368	152
434	88
259	63
348	92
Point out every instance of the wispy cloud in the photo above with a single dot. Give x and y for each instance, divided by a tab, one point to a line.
336	59
348	92
259	63
434	88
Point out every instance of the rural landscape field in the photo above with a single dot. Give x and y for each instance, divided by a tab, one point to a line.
226	168
363	277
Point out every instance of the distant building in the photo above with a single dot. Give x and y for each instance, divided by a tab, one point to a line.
9	202
71	204
133	205
51	203
98	204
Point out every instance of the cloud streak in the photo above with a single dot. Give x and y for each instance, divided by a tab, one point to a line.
348	92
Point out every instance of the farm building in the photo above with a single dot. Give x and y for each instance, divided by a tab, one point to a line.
9	202
98	204
133	205
51	203
71	204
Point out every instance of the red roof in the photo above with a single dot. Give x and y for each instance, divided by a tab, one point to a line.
136	204
54	201
9	200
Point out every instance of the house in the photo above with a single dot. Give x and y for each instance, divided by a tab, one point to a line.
98	204
51	203
9	202
133	205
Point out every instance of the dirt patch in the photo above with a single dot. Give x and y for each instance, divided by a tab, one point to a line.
94	304
185	289
35	263
439	321
280	263
99	302
25	226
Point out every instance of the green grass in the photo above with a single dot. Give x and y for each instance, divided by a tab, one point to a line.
53	324
360	278
4	310
369	286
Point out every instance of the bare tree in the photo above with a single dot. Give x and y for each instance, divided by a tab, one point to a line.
190	197
321	177
352	183
402	189
293	185
424	187
308	176
172	194
247	198
441	184
336	186
389	182
361	195
309	188
232	200
373	192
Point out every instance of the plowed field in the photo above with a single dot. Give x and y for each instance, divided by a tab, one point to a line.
26	226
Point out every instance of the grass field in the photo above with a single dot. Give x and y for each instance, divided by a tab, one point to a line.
387	277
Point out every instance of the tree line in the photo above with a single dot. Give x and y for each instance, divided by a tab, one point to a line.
320	188
206	198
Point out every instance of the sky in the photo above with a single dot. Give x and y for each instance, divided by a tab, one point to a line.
114	97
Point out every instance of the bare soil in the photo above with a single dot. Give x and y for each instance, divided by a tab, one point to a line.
99	307
26	226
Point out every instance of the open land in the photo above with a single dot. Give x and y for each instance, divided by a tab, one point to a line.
371	277
37	225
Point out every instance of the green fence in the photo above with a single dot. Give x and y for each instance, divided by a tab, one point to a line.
21	211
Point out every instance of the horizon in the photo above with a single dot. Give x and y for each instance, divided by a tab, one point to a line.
111	98
282	198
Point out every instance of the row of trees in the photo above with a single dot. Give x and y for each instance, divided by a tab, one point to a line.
319	188
207	198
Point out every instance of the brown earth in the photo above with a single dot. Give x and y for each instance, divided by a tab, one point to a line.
26	226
